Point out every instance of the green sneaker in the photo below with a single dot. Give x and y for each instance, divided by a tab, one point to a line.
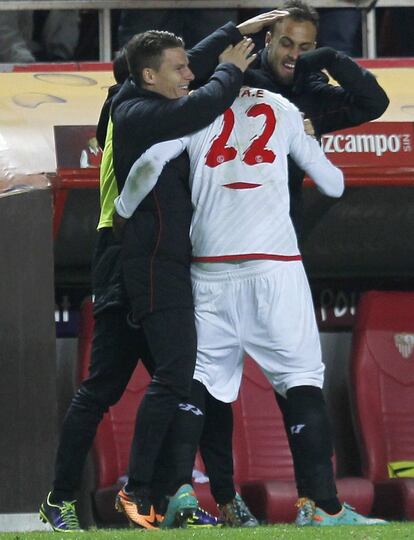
311	515
60	516
180	508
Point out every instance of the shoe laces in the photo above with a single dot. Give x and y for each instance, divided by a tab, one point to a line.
201	512
347	506
68	513
241	508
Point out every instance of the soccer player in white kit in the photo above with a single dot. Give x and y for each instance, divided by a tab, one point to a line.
250	289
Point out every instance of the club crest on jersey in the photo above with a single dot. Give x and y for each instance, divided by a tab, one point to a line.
404	343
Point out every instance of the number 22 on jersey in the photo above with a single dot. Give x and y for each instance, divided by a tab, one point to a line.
257	152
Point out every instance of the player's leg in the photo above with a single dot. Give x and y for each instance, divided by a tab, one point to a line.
172	340
217	452
290	356
218	360
219	368
284	341
219	365
183	440
116	348
299	475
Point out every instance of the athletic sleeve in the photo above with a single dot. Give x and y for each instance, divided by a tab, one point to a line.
357	98
308	154
144	174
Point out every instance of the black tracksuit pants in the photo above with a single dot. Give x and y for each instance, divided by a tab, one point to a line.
115	351
172	339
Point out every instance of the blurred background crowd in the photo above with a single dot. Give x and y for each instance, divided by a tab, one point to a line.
67	35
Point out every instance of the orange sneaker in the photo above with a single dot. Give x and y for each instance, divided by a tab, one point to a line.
159	518
138	510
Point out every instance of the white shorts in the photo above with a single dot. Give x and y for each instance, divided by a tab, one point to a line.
265	311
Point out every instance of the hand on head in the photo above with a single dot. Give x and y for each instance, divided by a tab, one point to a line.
255	24
241	54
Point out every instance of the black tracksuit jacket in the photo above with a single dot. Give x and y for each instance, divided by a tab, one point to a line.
108	284
156	248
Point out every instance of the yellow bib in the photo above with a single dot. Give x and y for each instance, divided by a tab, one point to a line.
107	184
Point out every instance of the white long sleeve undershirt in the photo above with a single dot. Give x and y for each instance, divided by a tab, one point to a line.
144	174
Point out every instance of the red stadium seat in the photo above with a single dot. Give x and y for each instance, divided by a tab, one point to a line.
114	435
383	385
262	459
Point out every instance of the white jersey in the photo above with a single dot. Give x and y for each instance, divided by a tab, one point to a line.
239	179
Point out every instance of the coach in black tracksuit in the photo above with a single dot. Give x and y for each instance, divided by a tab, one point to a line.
150	108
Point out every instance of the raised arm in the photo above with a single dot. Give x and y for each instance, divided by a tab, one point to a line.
148	118
204	56
358	98
167	119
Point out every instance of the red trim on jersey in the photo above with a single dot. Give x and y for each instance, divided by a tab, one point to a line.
245	256
241	185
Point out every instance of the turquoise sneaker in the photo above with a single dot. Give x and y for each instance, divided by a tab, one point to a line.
181	507
310	515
